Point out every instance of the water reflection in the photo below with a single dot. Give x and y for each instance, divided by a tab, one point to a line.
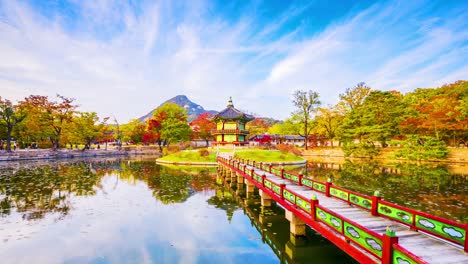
271	223
434	188
125	211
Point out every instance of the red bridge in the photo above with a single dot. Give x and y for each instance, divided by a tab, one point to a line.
367	228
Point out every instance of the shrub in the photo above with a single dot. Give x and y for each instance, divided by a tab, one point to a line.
361	149
417	147
203	152
285	148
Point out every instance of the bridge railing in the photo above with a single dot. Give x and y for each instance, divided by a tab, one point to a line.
375	244
442	228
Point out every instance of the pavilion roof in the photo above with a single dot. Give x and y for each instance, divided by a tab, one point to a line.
230	112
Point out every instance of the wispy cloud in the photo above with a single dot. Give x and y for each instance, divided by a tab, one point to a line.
122	59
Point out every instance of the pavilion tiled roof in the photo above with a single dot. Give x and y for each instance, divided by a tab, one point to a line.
230	112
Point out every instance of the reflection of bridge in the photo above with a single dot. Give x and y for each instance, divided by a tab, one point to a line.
356	223
273	227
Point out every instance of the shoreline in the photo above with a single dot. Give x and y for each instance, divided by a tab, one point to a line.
24	155
456	155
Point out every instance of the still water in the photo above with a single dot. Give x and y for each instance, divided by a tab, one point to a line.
134	211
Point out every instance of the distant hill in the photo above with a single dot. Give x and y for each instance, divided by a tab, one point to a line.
193	109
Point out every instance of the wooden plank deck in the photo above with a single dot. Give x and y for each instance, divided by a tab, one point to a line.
428	248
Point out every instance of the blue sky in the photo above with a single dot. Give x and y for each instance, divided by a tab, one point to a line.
123	58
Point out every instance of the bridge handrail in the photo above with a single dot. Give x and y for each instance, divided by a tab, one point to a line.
370	241
442	228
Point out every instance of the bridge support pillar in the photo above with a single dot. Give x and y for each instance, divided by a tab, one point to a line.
296	225
239	188
239	177
265	198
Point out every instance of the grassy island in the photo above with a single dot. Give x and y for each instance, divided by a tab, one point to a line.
261	155
190	156
209	156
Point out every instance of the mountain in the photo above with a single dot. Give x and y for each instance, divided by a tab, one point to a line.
193	109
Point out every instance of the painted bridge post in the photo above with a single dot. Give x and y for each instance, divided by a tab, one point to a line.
328	184
300	179
282	186
282	173
313	207
263	180
388	240
375	203
466	239
269	169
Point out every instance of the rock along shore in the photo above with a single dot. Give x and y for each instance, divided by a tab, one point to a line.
39	154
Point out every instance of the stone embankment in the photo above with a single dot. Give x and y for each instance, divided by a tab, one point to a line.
457	155
38	154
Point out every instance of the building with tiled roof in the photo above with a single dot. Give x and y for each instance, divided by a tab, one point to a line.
230	126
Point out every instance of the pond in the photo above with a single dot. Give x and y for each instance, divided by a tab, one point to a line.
134	211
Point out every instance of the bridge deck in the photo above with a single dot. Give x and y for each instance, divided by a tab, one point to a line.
430	249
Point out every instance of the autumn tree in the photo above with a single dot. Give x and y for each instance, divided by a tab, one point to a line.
48	118
306	104
86	127
168	125
133	131
290	126
327	122
258	126
354	97
202	126
377	119
11	115
439	112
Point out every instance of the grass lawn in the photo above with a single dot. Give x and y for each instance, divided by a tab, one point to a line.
189	156
261	155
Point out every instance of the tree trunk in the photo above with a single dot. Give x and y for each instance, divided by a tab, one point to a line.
8	139
206	140
305	133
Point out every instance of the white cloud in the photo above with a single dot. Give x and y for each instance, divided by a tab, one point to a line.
124	62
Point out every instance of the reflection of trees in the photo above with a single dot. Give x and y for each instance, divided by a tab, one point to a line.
35	192
427	187
169	185
41	189
224	200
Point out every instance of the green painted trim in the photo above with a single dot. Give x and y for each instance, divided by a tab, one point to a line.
363	238
268	184
338	193
276	189
305	205
401	258
295	178
306	182
289	196
332	221
395	213
444	230
361	201
319	187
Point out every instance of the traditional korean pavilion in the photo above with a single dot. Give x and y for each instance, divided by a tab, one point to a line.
230	126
